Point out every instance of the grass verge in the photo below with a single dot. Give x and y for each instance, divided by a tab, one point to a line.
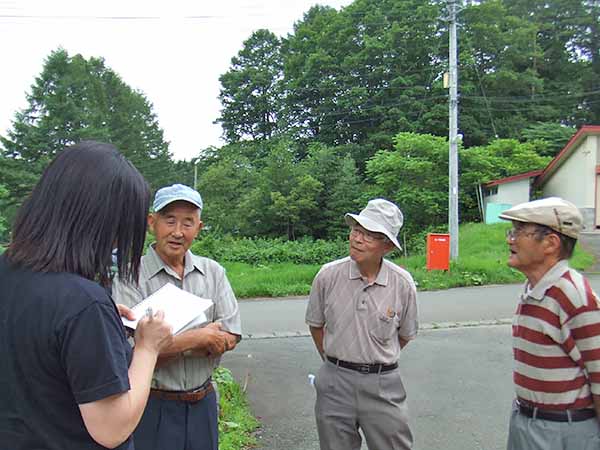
236	422
482	260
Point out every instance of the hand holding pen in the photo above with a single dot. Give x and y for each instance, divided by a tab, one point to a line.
153	332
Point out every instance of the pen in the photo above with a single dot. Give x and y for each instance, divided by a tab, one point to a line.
149	313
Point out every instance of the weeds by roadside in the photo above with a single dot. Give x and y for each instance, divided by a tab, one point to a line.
236	422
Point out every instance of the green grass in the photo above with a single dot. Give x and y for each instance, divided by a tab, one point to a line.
483	253
236	422
274	280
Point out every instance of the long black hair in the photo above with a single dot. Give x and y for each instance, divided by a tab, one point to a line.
89	200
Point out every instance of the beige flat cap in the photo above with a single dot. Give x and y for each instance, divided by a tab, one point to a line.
554	212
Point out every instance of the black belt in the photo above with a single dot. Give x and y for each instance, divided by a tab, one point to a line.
577	415
363	368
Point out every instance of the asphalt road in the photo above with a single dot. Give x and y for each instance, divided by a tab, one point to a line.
458	383
458	380
285	317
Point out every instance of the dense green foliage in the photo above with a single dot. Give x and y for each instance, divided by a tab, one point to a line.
250	93
3	220
352	106
262	251
266	189
236	422
348	106
373	69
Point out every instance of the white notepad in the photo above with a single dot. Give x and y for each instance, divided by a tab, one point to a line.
182	309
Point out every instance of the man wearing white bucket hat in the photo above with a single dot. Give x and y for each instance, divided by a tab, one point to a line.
556	333
362	311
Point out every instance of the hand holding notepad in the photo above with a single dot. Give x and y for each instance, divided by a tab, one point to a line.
183	310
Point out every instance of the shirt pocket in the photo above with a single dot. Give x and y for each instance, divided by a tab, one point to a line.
384	328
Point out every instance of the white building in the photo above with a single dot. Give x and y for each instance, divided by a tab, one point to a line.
574	174
499	195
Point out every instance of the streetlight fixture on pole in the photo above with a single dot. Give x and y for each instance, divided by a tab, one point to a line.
196	173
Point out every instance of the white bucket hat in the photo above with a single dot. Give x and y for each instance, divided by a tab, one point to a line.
379	216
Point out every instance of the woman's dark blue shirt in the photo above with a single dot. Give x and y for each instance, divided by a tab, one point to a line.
62	344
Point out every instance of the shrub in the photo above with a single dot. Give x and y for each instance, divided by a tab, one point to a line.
263	251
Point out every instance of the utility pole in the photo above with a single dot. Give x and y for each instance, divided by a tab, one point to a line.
453	135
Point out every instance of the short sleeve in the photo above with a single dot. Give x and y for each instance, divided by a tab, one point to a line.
409	322
126	293
584	330
227	310
315	311
92	348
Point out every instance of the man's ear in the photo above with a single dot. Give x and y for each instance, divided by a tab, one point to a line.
552	243
389	247
151	221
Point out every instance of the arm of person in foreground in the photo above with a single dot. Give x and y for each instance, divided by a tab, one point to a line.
111	420
317	335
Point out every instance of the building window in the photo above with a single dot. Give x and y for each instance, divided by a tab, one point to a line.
492	190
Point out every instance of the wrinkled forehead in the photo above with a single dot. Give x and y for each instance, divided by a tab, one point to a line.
529	226
357	226
180	207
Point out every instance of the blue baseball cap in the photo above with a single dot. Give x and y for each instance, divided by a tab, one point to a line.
170	194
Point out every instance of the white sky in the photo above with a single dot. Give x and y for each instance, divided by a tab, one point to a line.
173	51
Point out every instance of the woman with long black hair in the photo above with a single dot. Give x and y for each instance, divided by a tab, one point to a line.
68	377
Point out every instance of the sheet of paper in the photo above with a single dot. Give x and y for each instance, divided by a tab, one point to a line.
181	308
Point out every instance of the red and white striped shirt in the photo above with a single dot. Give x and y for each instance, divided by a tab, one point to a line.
556	341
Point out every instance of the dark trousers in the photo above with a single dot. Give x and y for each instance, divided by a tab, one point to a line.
175	425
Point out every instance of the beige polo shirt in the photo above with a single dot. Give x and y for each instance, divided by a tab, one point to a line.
362	321
202	277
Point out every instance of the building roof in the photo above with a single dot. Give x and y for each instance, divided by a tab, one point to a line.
564	154
532	174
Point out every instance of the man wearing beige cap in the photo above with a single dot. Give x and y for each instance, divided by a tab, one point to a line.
556	333
361	312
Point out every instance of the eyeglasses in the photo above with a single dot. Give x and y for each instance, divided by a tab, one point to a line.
513	233
366	235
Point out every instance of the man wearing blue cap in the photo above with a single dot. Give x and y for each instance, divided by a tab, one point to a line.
182	408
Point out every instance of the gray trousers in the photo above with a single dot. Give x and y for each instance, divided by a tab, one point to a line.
527	433
348	401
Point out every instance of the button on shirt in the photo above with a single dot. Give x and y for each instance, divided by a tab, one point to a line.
202	277
362	320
